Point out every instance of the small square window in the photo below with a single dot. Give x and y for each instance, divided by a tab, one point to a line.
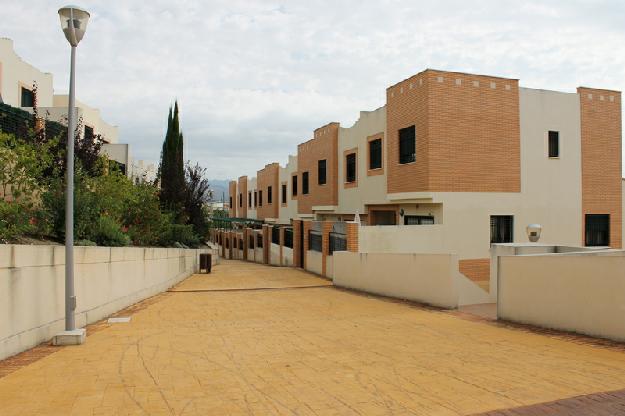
554	144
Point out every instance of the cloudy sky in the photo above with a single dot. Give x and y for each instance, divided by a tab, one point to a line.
254	78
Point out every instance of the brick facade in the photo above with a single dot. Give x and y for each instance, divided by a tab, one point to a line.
467	127
351	228
324	146
267	177
601	158
242	197
232	206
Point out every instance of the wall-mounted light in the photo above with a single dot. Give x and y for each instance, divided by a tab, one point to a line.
401	212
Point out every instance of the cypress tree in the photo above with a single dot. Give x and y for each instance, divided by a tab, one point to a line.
171	169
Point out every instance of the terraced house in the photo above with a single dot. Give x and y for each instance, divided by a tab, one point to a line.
452	163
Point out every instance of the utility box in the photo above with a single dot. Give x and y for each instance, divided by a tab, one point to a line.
206	261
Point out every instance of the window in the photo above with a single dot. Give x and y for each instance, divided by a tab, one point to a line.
284	193
89	136
407	152
294	185
305	183
249	199
418	220
240	200
321	172
231	202
501	227
269	195
255	199
383	217
28	98
350	168
597	230
554	144
375	154
260	198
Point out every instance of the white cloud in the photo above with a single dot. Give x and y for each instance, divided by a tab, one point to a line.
254	78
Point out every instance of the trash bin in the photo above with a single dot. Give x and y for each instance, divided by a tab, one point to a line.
206	260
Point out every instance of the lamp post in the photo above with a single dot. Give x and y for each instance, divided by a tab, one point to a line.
74	23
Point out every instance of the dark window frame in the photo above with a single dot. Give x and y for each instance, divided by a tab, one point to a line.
322	172
269	195
260	198
377	152
407	145
284	192
255	199
594	236
553	144
351	162
419	220
240	199
294	185
501	229
305	184
231	203
249	199
29	95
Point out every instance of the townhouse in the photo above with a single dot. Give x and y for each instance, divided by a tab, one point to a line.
18	80
454	162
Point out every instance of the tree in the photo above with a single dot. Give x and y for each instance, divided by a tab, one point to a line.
171	169
197	194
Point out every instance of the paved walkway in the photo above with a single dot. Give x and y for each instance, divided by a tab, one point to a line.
210	348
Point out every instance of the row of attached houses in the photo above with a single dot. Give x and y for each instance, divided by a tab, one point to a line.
18	80
455	162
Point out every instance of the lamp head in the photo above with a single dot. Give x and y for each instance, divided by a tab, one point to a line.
74	23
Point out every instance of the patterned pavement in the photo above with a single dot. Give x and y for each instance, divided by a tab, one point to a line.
210	347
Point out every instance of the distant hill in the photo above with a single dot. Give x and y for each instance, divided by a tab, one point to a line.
220	188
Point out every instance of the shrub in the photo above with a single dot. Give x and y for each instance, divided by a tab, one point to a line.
108	233
179	233
14	221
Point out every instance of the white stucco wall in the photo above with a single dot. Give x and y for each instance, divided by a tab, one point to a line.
314	262
287	256
286	213
15	72
427	278
251	186
583	293
90	117
370	189
274	255
107	279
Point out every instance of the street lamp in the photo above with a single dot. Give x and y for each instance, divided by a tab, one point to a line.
74	23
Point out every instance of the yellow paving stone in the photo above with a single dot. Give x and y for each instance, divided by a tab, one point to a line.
218	350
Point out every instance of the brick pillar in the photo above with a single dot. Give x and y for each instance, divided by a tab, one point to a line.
281	246
307	227
326	227
352	236
266	243
297	261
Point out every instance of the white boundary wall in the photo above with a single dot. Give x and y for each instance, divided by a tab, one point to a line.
428	278
32	288
314	262
274	255
580	292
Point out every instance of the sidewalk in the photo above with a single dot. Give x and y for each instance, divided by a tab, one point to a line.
210	348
